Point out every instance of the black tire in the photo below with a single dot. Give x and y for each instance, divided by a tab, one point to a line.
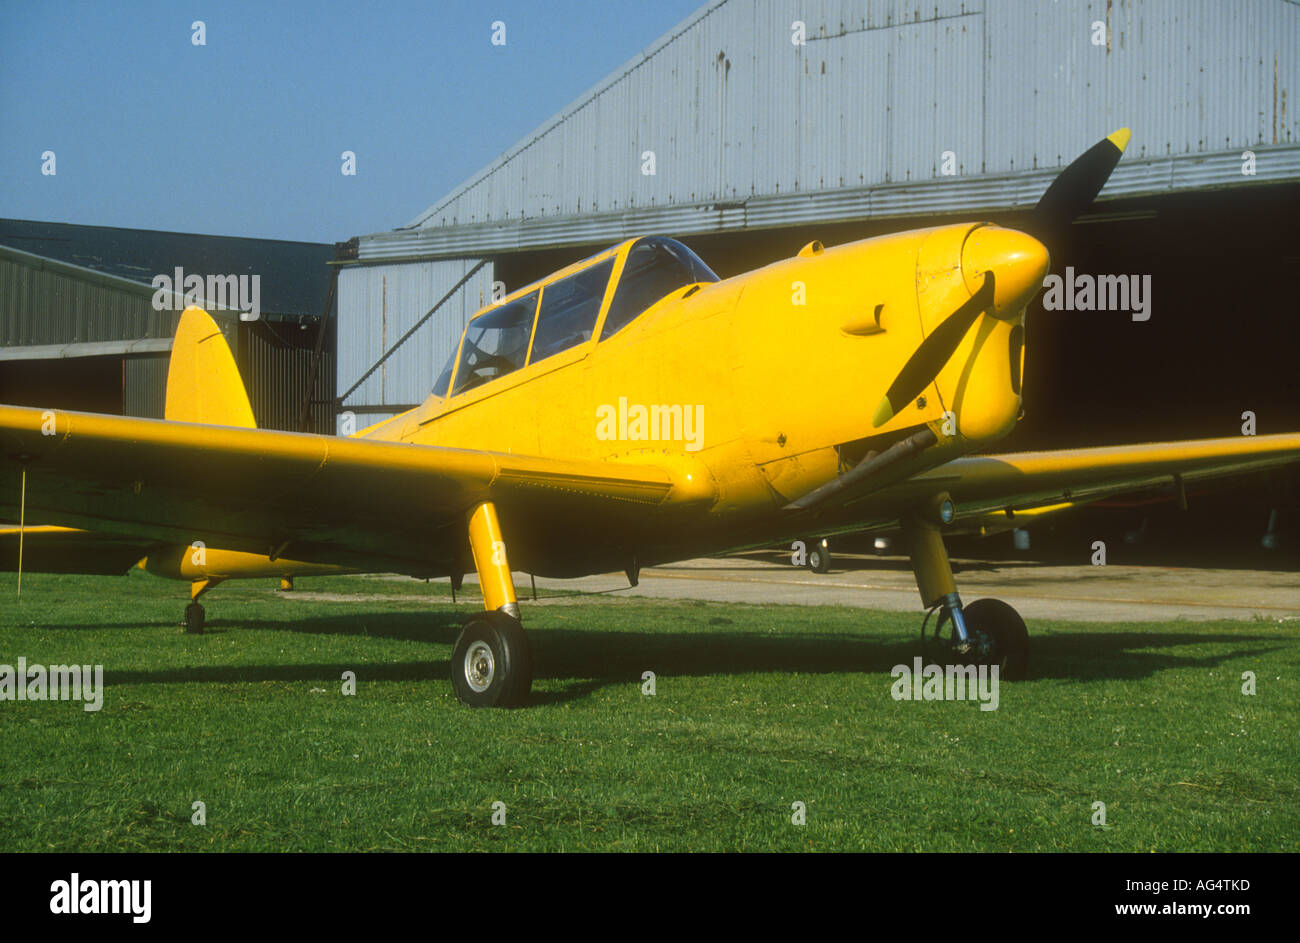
999	636
194	619
492	663
819	558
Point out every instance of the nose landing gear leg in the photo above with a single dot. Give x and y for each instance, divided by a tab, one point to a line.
934	576
986	632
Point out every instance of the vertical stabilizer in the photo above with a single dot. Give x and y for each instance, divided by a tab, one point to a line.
203	383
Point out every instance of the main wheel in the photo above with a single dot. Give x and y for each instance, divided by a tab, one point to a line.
194	619
819	557
997	635
999	638
492	665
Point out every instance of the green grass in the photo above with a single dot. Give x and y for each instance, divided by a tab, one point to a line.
757	707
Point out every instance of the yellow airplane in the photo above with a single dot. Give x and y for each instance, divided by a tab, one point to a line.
630	410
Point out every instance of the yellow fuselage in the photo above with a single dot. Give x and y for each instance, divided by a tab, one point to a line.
780	369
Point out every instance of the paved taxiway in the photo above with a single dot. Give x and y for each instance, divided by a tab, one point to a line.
1039	591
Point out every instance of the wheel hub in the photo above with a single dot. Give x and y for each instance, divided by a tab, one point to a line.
977	649
480	666
981	646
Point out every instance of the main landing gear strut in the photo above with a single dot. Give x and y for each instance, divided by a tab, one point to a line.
194	614
492	664
985	632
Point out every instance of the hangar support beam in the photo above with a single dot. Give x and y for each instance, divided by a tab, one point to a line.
415	327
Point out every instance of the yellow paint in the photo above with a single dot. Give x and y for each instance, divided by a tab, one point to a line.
988	523
199	587
929	560
203	383
38	529
177	563
489	550
779	385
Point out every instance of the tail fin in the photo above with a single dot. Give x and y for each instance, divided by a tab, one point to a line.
203	383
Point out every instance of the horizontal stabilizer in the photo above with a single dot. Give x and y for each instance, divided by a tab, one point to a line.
67	550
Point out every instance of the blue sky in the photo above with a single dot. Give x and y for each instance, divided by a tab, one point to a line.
243	136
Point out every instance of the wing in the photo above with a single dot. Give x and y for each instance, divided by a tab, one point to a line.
352	502
1020	481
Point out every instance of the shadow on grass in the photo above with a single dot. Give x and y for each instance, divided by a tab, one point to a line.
594	658
249	674
424	626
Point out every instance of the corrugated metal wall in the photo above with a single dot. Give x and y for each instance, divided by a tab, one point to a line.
44	302
380	303
275	362
734	110
49	304
144	386
1188	77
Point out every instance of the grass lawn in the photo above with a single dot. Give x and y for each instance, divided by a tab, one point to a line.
757	707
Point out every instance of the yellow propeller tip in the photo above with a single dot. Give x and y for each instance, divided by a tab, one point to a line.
884	412
1120	138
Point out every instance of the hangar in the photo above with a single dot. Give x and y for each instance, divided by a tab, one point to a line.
753	127
80	329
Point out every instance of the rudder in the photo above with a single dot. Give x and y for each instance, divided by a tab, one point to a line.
203	383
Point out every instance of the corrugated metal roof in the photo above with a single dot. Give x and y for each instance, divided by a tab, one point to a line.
749	129
147	345
970	196
294	276
46	305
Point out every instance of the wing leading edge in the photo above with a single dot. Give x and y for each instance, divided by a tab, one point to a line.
1025	480
356	502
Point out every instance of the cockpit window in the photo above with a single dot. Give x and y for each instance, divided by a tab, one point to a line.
496	343
444	376
655	267
569	309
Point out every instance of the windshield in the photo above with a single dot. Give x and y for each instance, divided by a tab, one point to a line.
444	376
655	267
495	343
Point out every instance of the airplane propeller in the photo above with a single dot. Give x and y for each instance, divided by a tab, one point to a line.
1069	195
1077	185
928	359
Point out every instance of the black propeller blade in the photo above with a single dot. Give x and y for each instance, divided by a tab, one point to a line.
1077	186
1069	194
928	359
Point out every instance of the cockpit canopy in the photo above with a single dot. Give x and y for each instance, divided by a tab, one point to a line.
655	267
564	313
